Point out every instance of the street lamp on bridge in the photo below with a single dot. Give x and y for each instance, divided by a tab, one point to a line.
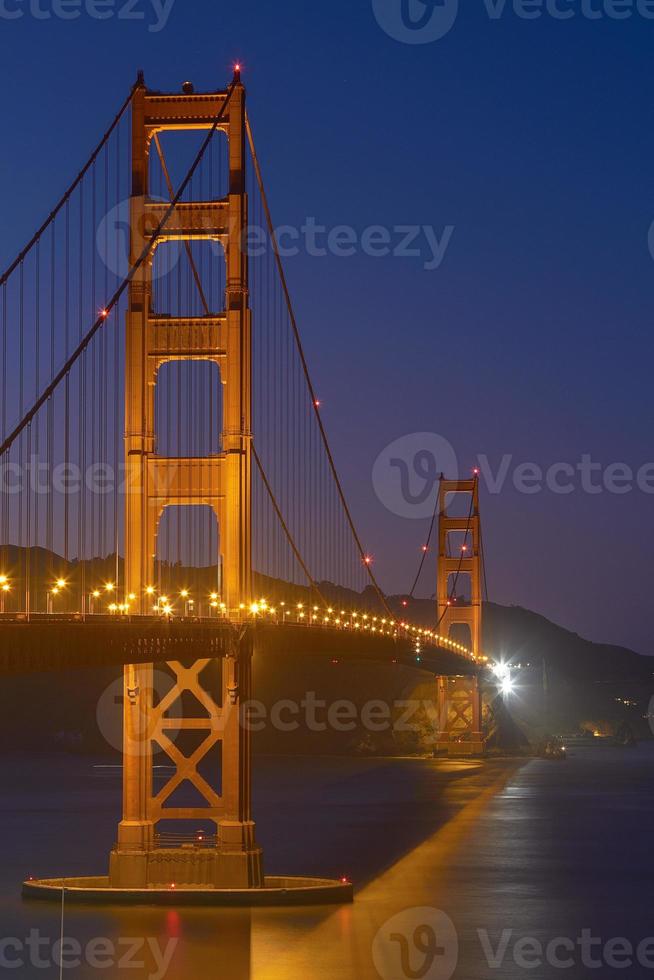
5	589
56	590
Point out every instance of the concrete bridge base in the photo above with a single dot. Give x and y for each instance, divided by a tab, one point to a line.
273	891
187	868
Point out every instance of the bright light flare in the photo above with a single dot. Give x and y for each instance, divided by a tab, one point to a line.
508	686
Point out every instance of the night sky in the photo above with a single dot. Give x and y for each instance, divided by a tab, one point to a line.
533	140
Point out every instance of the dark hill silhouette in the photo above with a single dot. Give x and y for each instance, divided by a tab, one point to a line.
566	681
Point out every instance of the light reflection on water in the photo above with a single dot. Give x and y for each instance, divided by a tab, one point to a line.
561	847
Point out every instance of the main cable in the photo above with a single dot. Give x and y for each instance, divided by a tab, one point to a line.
67	195
102	318
312	393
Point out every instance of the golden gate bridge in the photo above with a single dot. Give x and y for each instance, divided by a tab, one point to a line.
169	494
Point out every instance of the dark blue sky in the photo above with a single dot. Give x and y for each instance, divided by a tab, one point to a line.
533	338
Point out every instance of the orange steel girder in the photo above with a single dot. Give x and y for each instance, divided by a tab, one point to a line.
223	483
459	698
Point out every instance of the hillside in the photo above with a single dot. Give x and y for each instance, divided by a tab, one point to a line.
563	682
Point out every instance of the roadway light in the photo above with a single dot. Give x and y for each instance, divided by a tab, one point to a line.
61	583
149	590
110	587
508	686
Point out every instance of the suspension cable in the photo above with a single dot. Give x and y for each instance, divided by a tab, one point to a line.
305	369
483	562
66	197
425	550
102	319
285	527
189	252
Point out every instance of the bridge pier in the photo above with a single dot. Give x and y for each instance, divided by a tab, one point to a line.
230	858
460	716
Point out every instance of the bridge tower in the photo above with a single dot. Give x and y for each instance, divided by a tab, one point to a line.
223	482
459	698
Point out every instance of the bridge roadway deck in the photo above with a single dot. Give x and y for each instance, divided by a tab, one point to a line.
58	643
